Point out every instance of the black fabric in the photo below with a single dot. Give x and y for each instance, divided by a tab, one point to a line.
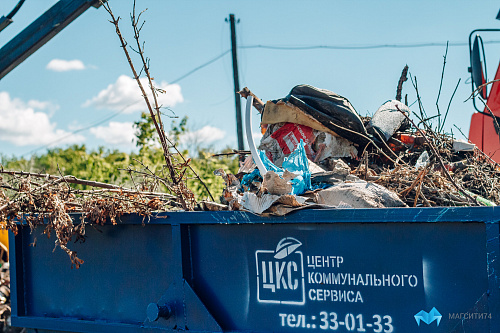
332	110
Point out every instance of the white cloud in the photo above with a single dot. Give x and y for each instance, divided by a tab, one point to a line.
116	133
125	93
59	65
205	135
22	125
256	136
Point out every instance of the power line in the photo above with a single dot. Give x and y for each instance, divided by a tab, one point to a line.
200	67
357	47
330	47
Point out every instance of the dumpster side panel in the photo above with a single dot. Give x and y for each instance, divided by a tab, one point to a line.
345	276
348	270
125	269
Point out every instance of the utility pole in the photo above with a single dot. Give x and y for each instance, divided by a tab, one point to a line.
239	126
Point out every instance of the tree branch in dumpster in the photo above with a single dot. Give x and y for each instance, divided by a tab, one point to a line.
176	171
42	199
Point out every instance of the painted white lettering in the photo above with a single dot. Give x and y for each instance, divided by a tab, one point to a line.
290	320
280	279
269	285
342	297
328	293
282	316
295	283
409	281
301	321
349	294
312	294
317	261
403	280
319	294
326	262
386	280
310	261
398	280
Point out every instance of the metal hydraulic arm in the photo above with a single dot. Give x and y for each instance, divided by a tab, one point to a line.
6	20
41	31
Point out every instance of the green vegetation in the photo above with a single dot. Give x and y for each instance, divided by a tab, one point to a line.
110	166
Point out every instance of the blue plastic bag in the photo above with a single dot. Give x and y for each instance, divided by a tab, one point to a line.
296	163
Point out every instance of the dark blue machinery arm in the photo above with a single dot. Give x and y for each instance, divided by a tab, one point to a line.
6	20
343	270
41	31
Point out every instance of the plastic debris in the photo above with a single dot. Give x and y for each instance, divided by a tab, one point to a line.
331	146
423	160
360	194
462	145
250	201
332	110
296	163
249	132
388	119
280	141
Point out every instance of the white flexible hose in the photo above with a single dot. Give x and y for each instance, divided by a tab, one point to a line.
251	144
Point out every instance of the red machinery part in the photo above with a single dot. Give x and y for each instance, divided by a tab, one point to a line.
482	130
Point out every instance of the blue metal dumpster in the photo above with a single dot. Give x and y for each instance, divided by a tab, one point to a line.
345	270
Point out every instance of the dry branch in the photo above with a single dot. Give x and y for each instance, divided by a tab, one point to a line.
402	79
437	155
176	171
257	102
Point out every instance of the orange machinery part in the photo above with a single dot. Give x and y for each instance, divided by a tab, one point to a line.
4	241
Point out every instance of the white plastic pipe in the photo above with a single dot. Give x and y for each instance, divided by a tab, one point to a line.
251	144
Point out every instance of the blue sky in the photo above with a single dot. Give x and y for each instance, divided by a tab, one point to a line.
81	77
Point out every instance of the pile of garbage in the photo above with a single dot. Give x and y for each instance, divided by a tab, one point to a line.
317	152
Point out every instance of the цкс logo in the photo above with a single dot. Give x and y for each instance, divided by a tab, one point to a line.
280	274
